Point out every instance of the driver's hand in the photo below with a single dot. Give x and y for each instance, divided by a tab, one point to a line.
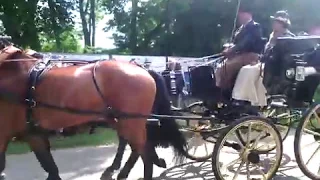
227	52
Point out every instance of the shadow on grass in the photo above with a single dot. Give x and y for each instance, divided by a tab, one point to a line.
102	136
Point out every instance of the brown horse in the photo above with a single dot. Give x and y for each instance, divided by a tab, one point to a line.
87	90
164	135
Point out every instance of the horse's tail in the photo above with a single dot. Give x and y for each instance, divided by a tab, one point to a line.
167	134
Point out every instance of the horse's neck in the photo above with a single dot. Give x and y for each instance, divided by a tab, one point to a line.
24	62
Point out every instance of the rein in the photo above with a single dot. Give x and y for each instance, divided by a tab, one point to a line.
20	60
109	112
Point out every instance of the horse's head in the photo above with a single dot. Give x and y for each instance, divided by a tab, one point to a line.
13	58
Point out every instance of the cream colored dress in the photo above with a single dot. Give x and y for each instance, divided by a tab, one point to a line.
249	85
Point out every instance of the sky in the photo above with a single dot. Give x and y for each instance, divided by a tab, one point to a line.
103	39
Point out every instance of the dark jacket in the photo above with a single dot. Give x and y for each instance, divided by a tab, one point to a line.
248	38
273	69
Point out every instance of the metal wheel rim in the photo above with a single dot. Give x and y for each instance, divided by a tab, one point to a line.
198	143
288	113
278	149
312	112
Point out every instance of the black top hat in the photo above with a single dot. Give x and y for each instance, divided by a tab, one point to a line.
246	6
282	16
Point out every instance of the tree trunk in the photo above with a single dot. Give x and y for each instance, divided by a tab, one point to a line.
55	26
84	23
93	22
133	27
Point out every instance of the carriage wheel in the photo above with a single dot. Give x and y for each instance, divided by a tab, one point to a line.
247	161
282	118
198	134
307	143
200	140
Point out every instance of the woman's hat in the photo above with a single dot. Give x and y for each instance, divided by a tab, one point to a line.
282	16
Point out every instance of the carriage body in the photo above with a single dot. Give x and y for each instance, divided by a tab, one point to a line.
291	69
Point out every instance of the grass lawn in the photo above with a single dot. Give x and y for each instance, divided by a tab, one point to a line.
102	136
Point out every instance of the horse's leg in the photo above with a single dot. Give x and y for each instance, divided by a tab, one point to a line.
133	159
160	162
3	148
117	160
41	147
137	138
129	165
147	158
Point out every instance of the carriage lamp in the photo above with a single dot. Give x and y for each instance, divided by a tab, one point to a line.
290	73
300	73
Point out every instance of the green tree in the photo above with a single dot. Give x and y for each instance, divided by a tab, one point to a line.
54	18
69	42
19	20
25	20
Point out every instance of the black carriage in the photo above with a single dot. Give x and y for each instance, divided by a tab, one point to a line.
291	79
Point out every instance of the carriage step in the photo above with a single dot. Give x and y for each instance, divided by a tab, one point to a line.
153	121
278	104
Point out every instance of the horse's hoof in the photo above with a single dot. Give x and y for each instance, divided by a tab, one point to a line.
122	176
52	178
112	168
162	163
2	176
106	175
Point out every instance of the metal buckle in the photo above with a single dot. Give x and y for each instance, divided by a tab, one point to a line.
32	103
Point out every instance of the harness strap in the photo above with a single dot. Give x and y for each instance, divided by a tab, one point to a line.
110	112
34	76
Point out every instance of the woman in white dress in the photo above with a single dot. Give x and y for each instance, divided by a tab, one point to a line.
249	83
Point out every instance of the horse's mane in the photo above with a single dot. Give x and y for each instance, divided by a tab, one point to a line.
12	52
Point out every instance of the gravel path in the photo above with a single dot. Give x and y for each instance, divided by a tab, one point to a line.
89	162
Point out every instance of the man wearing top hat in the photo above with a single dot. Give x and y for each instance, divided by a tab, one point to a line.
249	85
247	45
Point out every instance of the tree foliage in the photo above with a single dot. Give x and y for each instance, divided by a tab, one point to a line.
144	27
193	27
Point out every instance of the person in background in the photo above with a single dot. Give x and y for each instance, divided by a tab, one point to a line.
147	64
249	85
175	81
133	61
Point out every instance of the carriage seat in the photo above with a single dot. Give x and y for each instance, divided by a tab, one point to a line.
203	83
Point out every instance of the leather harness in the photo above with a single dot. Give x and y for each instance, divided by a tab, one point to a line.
35	74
